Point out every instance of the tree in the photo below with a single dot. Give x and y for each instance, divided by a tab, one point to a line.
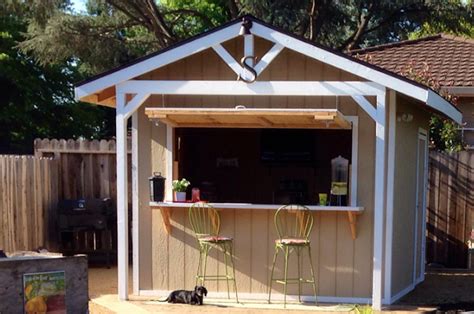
117	31
37	100
57	47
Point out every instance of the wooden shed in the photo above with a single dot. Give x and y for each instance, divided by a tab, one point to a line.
254	120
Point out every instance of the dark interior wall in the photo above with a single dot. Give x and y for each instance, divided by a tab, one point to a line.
228	164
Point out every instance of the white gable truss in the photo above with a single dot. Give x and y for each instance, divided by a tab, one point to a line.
213	39
378	81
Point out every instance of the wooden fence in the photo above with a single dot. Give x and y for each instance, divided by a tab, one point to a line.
450	208
28	198
87	169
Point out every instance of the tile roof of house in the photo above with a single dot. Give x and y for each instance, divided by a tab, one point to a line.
450	59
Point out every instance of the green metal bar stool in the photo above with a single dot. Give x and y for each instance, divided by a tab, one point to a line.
205	222
293	224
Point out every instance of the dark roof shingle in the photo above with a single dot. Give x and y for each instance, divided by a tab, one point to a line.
450	59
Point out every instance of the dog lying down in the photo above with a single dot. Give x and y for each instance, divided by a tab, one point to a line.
187	297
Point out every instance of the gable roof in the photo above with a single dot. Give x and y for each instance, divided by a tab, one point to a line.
259	28
450	59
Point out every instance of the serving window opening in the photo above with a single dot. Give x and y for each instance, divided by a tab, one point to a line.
261	165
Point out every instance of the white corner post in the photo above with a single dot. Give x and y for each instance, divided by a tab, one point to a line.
135	206
122	197
169	162
379	202
392	124
123	112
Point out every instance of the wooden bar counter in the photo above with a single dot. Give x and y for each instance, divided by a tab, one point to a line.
166	210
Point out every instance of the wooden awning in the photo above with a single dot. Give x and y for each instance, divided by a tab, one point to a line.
250	118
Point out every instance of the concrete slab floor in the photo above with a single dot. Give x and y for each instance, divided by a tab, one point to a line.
109	304
104	300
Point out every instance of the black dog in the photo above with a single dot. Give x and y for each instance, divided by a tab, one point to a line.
187	297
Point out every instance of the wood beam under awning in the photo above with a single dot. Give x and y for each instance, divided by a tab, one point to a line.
250	118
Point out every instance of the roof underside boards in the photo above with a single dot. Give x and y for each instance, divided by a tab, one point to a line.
250	118
85	91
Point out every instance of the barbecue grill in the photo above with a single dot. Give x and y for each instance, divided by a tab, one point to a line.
87	226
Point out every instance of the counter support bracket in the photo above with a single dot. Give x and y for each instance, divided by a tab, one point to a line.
166	214
352	223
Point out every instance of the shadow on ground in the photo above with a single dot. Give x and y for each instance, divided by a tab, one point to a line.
449	290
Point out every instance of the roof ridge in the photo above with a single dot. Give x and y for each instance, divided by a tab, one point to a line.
396	44
460	38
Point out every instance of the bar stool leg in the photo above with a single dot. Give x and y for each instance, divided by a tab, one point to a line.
312	274
286	275
224	246
198	276
206	252
233	270
298	251
271	274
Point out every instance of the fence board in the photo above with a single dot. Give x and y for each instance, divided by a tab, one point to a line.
450	209
24	200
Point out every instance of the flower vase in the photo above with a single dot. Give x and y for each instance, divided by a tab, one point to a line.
180	196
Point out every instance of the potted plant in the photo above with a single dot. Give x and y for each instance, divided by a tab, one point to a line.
179	189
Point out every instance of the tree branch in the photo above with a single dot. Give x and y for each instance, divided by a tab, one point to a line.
233	9
317	15
363	21
202	16
388	20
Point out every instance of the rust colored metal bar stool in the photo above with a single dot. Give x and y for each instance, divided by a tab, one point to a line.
205	222
293	224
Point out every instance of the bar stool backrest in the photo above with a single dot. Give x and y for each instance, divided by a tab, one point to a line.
204	220
294	221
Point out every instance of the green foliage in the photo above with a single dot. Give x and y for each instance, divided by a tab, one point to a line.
180	185
37	100
456	21
445	135
358	23
45	46
95	43
117	31
363	309
206	14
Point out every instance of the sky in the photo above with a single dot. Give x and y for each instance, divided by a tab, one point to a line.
79	5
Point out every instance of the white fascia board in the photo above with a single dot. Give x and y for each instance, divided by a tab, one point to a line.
356	68
259	88
158	61
442	105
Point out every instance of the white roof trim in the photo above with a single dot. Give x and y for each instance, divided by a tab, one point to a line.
439	103
158	61
231	31
345	64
